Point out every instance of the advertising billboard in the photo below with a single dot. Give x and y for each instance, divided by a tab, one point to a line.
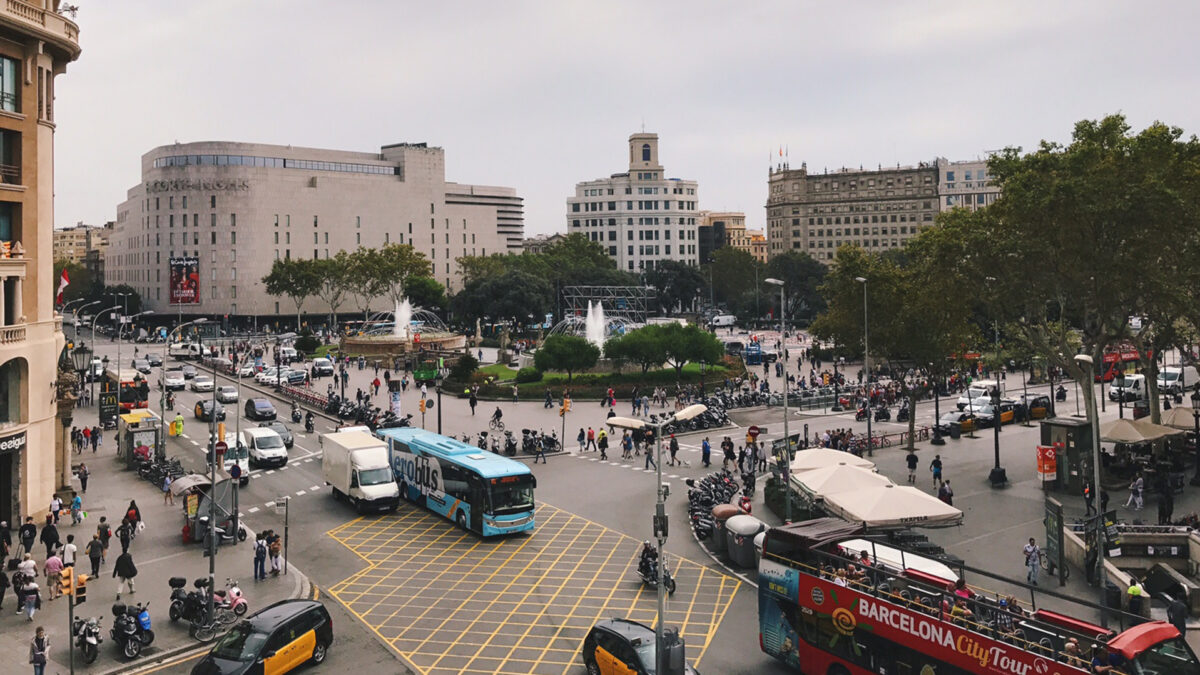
184	286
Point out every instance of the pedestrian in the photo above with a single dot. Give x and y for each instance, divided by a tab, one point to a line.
104	532
33	597
1033	560
55	507
1166	507
601	444
125	534
762	458
168	498
49	537
275	550
911	460
83	474
673	447
376	383
124	571
581	438
549	401
946	494
52	570
706	452
515	391
39	647
97	438
936	467
95	553
69	551
650	451
28	534
424	391
741	459
540	450
591	439
626	446
4	584
1089	498
76	509
1135	492
260	557
727	450
134	514
473	400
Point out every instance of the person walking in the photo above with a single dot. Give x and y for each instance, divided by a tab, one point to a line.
95	553
168	498
28	534
626	446
134	514
650	452
49	537
763	457
76	509
104	532
673	447
911	460
591	439
260	557
549	400
706	452
4	584
601	445
581	438
473	401
124	571
55	507
83	474
1089	499
1135	492
516	394
52	571
936	467
125	534
275	550
1033	561
540	450
97	439
946	493
39	648
33	596
69	551
727	450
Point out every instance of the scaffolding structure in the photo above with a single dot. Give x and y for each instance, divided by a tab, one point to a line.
631	303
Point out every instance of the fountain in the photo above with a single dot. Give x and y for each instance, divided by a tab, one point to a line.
402	319
595	327
402	337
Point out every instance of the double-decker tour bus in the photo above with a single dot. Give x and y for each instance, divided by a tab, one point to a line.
479	490
833	601
134	391
1118	360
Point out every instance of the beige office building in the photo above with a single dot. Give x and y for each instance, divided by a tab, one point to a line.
73	243
879	209
965	185
36	44
237	207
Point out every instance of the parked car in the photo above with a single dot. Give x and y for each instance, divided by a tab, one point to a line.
204	408
276	639
619	646
1038	405
189	371
288	354
247	370
155	360
284	432
322	367
173	379
227	394
269	376
202	383
295	377
964	420
141	365
259	409
265	446
986	415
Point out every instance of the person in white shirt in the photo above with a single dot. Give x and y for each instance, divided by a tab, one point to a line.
68	552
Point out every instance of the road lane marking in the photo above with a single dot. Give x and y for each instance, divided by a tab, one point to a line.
300	492
253	509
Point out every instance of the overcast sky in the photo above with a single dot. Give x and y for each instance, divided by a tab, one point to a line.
540	95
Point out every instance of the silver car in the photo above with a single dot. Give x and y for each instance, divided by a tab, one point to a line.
202	383
227	394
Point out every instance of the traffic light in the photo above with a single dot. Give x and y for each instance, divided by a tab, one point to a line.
81	589
66	580
567	404
421	405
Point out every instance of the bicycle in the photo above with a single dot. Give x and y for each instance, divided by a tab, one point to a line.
496	424
1050	568
207	632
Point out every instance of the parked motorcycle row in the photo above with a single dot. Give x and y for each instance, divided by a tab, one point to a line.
192	606
715	488
366	414
531	440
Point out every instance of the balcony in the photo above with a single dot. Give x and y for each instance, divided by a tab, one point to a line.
10	174
12	334
34	18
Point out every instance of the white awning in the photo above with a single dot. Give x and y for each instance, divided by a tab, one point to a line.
892	506
819	458
842	477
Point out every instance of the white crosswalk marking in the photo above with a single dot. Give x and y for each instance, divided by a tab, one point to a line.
269	505
254	510
270	471
314	488
300	492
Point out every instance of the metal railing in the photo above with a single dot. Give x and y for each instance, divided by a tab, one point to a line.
10	174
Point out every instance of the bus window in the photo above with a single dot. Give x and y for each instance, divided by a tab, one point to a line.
454	481
511	494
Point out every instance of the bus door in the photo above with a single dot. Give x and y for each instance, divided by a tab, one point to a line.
477	494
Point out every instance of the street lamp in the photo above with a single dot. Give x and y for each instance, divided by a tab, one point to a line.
866	364
660	511
94	320
997	477
1196	418
75	316
120	325
1085	360
786	460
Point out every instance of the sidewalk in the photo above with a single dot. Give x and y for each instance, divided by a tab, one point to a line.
158	554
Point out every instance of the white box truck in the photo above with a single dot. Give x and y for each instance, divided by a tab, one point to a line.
356	464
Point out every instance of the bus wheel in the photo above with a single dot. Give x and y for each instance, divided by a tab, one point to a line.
461	519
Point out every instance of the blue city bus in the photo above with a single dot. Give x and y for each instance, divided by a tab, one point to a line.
479	490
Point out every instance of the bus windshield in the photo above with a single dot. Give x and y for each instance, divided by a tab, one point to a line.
512	497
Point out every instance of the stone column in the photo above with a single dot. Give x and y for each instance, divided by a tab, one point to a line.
62	440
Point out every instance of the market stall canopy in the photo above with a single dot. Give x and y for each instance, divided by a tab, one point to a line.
1122	431
626	422
841	477
183	484
819	458
1179	417
891	506
1155	431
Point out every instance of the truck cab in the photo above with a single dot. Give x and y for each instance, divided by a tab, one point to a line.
356	465
237	454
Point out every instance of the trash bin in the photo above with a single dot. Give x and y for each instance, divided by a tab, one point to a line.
720	514
758	547
956	431
741	531
1112	595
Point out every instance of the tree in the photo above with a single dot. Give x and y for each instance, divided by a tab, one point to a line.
567	353
334	276
802	277
427	293
690	343
364	278
678	285
643	346
513	296
122	295
397	264
295	279
734	275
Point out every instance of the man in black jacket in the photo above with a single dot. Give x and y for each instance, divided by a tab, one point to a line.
49	536
124	570
28	534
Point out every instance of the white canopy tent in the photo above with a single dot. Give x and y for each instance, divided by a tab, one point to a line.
819	458
892	506
841	477
1179	417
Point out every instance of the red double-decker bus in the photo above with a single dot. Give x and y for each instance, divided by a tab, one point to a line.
896	615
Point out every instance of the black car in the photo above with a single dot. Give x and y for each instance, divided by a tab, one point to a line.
189	371
204	408
281	429
621	646
154	359
260	409
279	638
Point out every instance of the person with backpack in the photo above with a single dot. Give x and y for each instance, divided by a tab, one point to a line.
104	533
260	557
134	514
125	534
95	553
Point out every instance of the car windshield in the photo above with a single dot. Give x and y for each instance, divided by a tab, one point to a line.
263	405
240	644
374	476
950	418
512	497
646	653
986	409
1172	656
269	442
1169	377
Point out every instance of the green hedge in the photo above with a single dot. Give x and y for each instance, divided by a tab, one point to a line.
525	375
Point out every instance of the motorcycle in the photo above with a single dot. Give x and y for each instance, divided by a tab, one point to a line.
191	606
902	415
744	503
550	442
648	571
510	443
495	445
87	637
296	414
748	484
481	440
861	414
882	414
231	598
309	423
1060	394
170	401
131	629
529	441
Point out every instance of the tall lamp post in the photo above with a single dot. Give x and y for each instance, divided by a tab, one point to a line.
162	383
785	461
660	510
75	314
867	365
1089	366
997	477
1119	381
94	320
1196	418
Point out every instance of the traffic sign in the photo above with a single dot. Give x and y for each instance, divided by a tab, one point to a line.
753	432
235	471
221	447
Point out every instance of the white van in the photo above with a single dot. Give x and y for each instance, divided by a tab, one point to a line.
185	350
723	320
1134	389
1176	380
265	446
322	366
288	354
978	389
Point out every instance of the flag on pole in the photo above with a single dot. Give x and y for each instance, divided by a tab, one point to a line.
63	282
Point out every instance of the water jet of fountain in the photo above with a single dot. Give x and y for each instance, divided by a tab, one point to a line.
595	324
402	325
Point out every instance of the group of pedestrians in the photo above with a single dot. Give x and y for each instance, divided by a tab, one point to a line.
267	546
82	438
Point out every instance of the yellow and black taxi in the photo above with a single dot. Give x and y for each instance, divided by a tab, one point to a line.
624	647
949	423
275	640
1005	411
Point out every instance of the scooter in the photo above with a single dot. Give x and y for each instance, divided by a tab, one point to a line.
131	629
861	414
309	424
231	598
1060	394
191	606
510	443
296	414
170	401
87	637
882	414
744	503
902	414
529	441
481	440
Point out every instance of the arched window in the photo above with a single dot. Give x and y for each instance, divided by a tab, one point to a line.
645	152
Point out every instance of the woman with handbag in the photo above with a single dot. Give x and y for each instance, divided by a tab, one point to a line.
39	646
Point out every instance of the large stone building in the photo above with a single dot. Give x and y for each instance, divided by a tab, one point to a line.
640	217
36	44
237	207
965	184
728	228
878	210
73	243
